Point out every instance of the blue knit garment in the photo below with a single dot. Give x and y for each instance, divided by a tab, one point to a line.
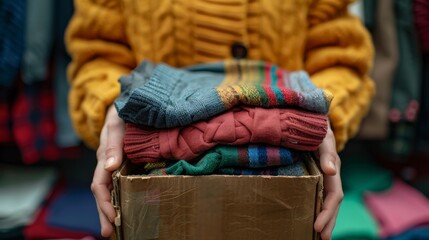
161	96
12	28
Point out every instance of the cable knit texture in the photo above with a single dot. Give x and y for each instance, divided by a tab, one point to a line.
241	125
107	38
161	96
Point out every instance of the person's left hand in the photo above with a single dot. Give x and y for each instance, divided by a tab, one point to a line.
330	163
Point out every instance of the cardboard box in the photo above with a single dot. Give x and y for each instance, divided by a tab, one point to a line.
216	206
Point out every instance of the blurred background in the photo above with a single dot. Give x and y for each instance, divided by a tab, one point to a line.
45	171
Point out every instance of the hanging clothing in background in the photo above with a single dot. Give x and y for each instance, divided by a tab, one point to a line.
407	82
12	28
65	137
38	40
34	109
375	124
369	13
405	96
34	126
421	19
6	98
423	126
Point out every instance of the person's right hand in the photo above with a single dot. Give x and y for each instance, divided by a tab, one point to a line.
109	158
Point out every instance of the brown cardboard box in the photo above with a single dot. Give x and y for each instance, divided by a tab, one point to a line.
216	207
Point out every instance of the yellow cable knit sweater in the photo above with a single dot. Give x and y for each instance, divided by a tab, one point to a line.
108	38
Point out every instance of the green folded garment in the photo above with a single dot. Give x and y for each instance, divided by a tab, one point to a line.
354	222
235	159
296	169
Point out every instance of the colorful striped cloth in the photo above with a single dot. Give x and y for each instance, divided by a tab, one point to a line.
295	169
241	125
161	96
227	158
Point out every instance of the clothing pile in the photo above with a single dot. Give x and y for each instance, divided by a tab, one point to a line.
240	117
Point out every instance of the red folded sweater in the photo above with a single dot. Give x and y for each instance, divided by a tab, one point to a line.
241	125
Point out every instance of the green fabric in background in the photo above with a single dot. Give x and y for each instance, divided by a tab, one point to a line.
354	221
360	173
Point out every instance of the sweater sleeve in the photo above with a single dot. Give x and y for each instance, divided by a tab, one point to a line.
339	55
97	43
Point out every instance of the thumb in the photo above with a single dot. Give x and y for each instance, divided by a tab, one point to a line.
115	134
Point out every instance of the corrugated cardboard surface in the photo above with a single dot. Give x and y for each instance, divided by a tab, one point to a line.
216	206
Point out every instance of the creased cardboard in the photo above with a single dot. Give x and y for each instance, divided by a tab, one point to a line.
216	206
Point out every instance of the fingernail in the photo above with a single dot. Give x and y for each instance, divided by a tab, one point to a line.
109	162
332	165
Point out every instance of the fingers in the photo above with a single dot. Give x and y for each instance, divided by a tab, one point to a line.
106	226
114	143
330	206
100	187
327	231
109	156
328	155
325	222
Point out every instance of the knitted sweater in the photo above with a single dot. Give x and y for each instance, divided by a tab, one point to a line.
241	125
160	96
227	157
107	39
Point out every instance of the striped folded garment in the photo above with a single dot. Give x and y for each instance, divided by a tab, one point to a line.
160	96
222	159
296	169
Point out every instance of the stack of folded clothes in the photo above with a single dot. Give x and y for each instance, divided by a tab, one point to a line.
238	117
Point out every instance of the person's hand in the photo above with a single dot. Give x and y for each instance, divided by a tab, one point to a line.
330	163
109	158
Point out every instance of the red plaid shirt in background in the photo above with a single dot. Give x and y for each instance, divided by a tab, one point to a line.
34	127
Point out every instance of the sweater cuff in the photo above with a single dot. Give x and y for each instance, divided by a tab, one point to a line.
92	91
347	115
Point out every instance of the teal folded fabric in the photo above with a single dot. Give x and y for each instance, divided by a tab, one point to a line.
360	174
354	222
296	169
227	157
